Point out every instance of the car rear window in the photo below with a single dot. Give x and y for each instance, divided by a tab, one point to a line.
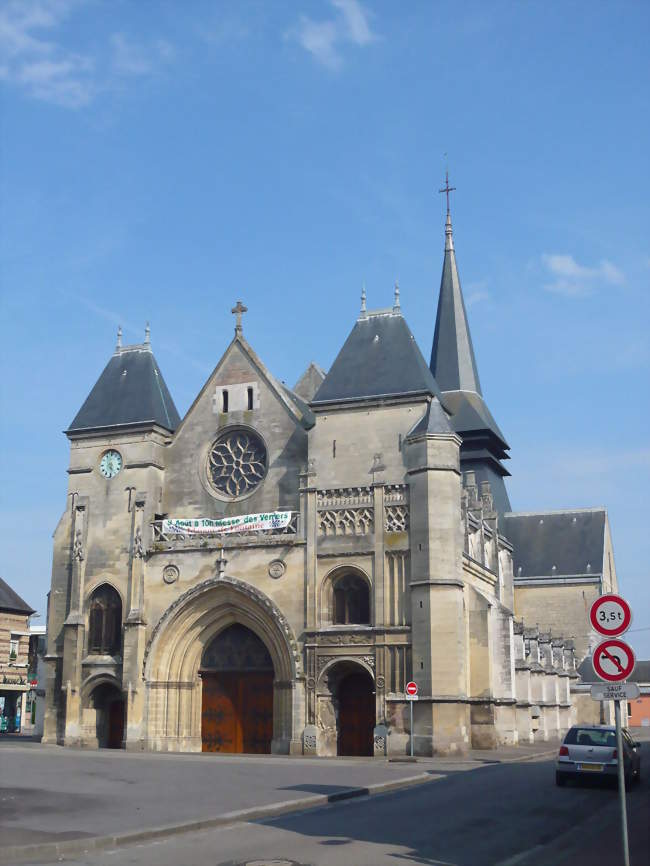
590	737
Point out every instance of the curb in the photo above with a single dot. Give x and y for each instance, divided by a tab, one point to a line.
13	854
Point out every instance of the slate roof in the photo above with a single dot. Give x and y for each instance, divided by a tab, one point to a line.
380	358
131	390
453	363
11	602
434	420
471	414
571	540
640	674
309	382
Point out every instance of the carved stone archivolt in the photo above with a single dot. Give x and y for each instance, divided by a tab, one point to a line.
273	614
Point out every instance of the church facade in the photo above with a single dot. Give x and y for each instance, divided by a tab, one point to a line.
267	574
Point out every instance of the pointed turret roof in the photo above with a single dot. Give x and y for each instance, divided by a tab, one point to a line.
379	359
130	391
453	364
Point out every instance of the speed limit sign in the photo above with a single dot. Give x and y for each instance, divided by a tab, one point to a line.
610	615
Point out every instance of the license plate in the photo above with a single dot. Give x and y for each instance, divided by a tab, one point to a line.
591	768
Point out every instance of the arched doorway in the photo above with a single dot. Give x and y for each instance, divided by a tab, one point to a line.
356	721
346	709
237	695
108	703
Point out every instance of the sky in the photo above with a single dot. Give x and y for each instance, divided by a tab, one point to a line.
161	160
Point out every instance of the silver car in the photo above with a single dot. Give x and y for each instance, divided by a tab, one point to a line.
590	751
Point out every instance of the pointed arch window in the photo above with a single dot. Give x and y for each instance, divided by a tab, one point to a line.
351	601
105	621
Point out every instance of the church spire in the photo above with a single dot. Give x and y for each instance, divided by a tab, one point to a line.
452	357
453	365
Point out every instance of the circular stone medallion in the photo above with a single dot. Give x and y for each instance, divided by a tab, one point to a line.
277	568
170	573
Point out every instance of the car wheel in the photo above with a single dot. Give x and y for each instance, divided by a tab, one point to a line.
560	780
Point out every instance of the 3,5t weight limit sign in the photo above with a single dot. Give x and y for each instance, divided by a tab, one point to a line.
610	615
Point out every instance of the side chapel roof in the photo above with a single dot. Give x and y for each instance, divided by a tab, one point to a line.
130	390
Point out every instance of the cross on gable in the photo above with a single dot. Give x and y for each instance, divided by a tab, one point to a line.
238	310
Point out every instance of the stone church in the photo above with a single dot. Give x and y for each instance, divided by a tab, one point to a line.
267	573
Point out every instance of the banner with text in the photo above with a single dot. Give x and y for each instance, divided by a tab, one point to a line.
242	523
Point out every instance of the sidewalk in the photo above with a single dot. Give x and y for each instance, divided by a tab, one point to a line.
54	800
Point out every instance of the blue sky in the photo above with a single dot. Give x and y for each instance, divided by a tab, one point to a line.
161	160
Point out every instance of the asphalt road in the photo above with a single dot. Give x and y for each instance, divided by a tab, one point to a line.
502	814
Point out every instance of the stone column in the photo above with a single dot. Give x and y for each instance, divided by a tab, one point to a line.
135	631
309	523
74	628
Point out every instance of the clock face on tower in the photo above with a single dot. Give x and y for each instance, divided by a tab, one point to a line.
110	464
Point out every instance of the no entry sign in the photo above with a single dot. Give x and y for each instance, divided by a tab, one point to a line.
412	691
613	660
610	615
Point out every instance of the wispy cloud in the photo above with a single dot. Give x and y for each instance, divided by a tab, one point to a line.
36	59
133	58
324	39
574	280
33	61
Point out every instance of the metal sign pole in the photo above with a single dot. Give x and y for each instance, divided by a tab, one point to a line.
411	703
621	782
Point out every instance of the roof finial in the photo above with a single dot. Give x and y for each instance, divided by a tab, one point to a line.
363	301
238	310
119	337
396	306
147	334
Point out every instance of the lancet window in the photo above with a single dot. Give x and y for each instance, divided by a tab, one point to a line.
105	621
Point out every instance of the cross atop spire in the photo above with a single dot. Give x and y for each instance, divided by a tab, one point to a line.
447	189
238	310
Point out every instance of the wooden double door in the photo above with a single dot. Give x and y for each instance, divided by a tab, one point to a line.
237	711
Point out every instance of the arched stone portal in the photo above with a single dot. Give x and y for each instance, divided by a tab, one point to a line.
108	705
237	695
346	709
179	644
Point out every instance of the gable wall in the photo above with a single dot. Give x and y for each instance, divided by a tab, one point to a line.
187	491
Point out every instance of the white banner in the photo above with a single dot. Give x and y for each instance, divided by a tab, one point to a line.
242	523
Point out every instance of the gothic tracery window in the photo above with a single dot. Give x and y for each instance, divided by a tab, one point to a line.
105	621
351	599
237	463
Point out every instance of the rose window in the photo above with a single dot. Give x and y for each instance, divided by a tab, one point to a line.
237	463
